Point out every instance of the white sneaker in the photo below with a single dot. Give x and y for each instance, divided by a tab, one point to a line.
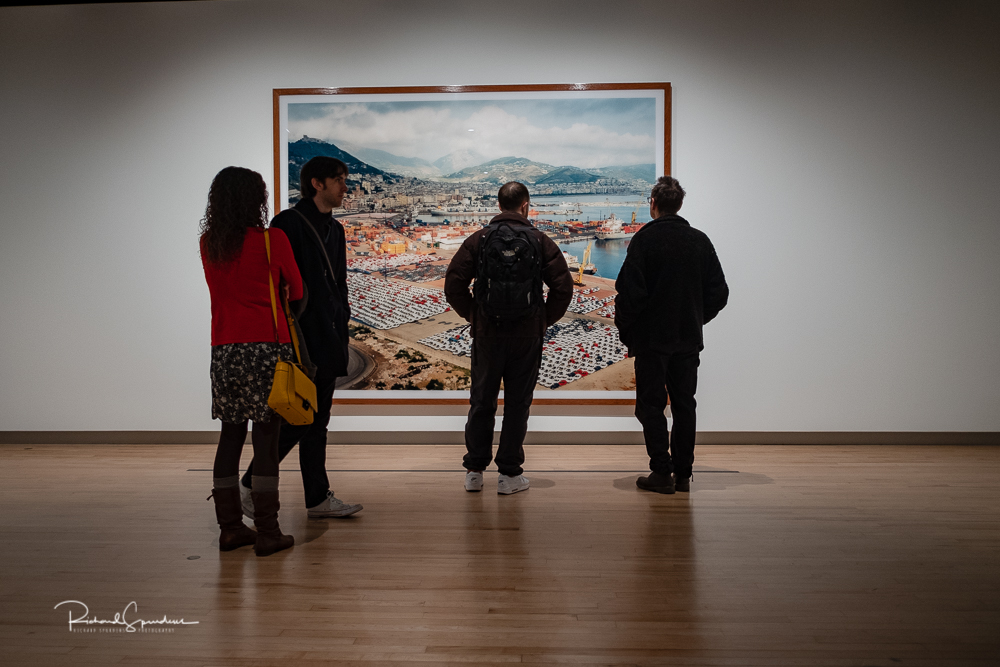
508	485
473	481
246	500
332	507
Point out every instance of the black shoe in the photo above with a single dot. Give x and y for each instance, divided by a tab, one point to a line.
682	484
656	483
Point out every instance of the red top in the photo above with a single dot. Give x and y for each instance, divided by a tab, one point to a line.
241	300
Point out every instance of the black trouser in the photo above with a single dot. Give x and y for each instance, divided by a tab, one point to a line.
516	362
311	439
231	441
656	377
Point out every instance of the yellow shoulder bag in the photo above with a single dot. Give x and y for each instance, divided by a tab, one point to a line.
293	394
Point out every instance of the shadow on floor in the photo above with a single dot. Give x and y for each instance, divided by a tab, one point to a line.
706	481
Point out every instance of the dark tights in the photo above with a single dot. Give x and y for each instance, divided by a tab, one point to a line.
265	448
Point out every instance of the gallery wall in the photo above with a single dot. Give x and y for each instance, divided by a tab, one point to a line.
842	156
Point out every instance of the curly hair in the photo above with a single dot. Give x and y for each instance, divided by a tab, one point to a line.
236	200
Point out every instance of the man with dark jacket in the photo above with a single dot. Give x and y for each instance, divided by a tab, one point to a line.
669	286
320	250
507	350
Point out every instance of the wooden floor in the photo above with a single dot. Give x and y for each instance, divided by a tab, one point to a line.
820	555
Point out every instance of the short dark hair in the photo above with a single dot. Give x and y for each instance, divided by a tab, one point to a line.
512	195
320	167
667	195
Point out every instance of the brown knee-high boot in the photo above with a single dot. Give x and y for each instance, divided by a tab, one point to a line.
265	517
229	514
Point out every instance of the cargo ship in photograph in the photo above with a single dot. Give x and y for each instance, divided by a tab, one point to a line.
573	262
614	228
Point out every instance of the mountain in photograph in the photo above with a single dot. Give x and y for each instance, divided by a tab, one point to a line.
390	163
371	161
567	175
396	164
645	172
538	173
458	160
306	148
503	169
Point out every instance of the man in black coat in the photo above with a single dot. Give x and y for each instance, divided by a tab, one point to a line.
669	286
320	250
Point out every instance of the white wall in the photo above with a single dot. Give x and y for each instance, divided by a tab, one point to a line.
840	155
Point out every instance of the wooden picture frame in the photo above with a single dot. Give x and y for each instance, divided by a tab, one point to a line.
279	93
626	124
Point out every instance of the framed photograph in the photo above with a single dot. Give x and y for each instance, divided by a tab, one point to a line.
425	167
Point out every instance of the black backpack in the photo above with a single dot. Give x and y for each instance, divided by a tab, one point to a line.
508	284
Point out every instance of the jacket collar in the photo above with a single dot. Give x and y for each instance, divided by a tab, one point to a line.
511	216
670	218
667	219
308	207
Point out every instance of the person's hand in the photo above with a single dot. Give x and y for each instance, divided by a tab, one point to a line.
286	291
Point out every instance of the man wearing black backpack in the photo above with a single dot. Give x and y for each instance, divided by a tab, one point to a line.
509	261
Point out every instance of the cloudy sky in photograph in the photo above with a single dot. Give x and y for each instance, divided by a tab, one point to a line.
595	132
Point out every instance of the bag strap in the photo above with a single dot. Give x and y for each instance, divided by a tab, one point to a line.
270	283
322	247
284	303
488	232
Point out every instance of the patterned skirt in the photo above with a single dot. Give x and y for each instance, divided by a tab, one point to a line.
242	375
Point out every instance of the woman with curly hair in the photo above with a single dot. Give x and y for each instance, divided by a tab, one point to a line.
247	340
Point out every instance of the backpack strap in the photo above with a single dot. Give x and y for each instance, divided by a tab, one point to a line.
483	240
322	247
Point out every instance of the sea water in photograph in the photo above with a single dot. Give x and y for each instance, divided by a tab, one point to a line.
606	255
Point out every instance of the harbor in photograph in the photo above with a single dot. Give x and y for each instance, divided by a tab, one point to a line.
399	246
